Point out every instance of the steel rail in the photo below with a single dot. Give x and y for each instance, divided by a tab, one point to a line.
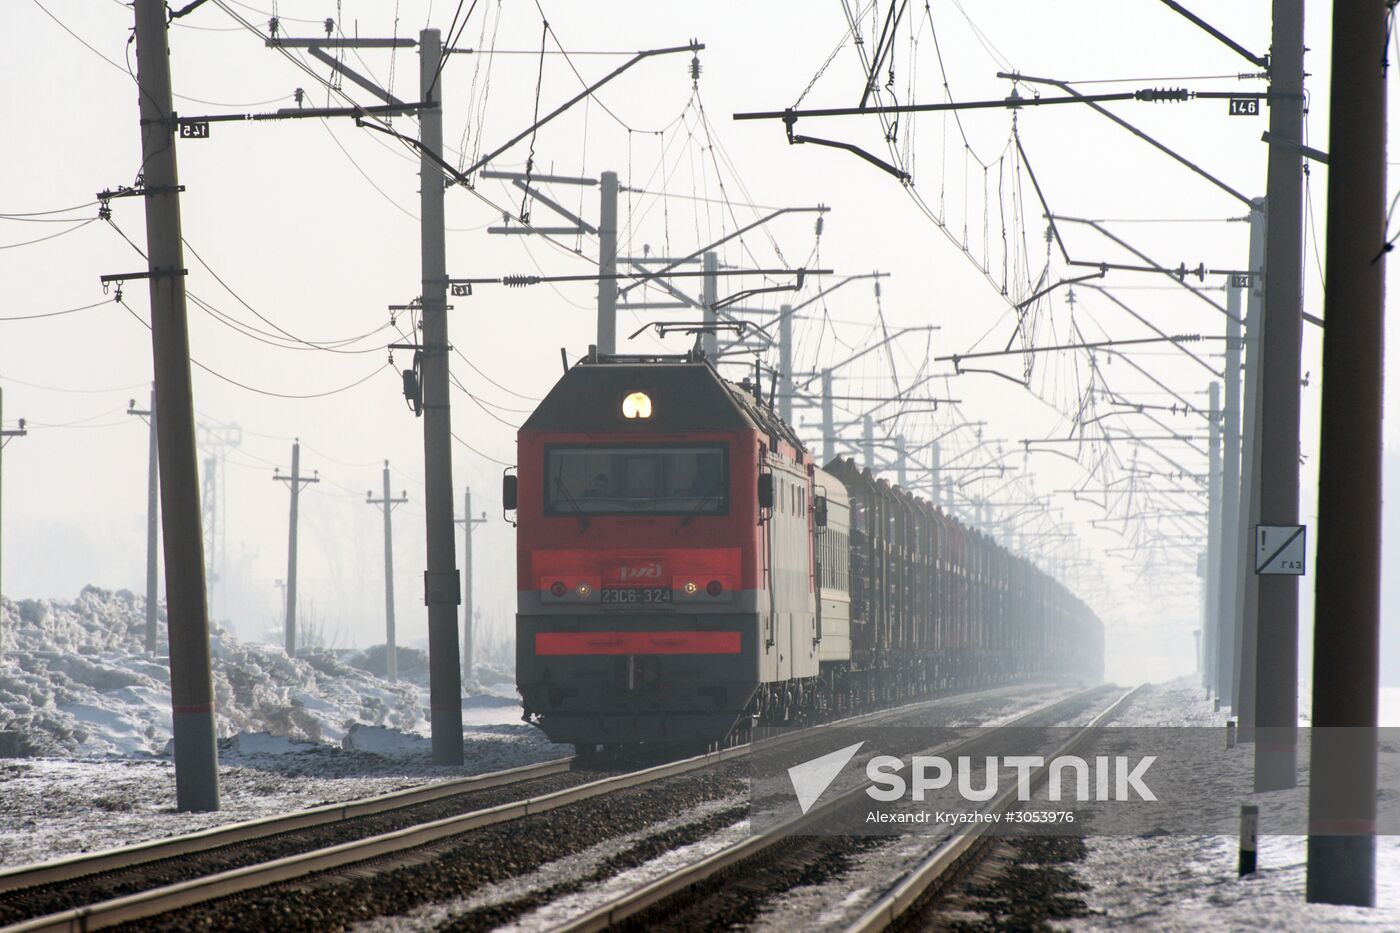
166	898
947	862
634	902
76	866
171	897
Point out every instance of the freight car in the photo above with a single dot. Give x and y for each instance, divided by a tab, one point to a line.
685	569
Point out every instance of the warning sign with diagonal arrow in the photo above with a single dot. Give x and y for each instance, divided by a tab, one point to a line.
1280	549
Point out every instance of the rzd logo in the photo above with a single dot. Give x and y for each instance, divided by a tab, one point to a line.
650	571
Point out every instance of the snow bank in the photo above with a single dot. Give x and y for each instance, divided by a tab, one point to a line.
75	681
391	743
1180	883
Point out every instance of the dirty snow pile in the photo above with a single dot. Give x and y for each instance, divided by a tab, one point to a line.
75	680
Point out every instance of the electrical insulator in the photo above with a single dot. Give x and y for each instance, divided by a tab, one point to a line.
695	68
413	391
330	25
1157	95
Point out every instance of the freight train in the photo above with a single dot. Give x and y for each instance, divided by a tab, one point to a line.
685	570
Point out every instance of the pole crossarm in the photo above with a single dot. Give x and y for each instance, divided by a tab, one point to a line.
580	226
1261	60
926	328
520	281
1012	101
535	176
1138	317
792	311
1179	273
1064	86
329	43
295	113
666	269
587	91
683	300
956	358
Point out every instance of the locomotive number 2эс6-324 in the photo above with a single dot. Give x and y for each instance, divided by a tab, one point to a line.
686	569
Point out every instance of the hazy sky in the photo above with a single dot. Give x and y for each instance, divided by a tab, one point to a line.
312	225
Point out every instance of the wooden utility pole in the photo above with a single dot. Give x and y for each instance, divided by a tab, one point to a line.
1276	664
709	340
391	649
607	263
442	585
1346	636
5	439
468	604
191	680
1210	620
828	421
1230	541
867	443
785	387
152	523
1246	618
295	481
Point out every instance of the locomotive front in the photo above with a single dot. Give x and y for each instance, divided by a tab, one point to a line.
638	566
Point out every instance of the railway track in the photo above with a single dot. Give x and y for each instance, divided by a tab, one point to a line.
956	855
646	907
28	891
127	887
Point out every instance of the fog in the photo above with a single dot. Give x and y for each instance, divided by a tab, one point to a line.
311	224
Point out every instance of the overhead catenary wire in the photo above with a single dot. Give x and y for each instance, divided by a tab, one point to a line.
268	392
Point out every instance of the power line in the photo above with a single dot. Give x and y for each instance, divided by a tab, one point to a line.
47	314
479	453
51	236
80	39
242	385
60	210
465	359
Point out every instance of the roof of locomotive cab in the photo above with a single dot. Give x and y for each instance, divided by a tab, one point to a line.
686	397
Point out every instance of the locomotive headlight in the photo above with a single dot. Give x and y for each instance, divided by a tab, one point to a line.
690	588
583	589
636	405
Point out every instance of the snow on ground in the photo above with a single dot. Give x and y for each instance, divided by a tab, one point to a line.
75	680
51	807
85	724
1175	882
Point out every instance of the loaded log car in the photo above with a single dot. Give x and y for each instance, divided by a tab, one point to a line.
685	569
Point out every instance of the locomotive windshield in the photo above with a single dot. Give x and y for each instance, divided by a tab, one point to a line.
631	479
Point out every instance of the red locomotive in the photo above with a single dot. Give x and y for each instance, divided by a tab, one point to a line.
685	567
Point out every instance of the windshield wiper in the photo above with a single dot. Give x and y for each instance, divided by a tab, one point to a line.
714	488
578	510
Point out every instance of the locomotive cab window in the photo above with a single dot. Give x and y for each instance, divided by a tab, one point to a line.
631	479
